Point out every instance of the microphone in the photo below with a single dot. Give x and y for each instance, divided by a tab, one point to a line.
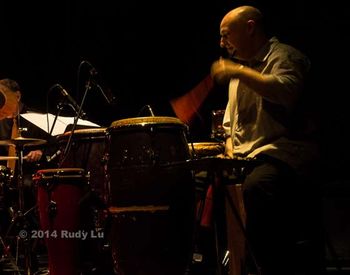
107	94
71	100
55	155
92	70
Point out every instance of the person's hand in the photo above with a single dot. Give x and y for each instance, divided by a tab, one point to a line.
34	155
223	70
228	154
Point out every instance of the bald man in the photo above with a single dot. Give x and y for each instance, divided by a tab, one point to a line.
266	80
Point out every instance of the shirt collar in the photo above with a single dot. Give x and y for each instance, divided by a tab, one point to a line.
262	54
265	50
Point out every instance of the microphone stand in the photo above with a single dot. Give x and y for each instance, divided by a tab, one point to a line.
149	109
60	108
79	114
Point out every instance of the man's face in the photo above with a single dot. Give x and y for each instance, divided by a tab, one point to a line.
225	41
10	102
233	35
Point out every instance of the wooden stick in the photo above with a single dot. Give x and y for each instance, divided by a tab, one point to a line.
8	157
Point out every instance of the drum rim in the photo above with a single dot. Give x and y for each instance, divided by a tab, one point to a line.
207	144
206	148
52	173
93	131
61	170
143	121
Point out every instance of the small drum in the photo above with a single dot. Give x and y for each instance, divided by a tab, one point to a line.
86	152
59	198
206	149
152	201
217	129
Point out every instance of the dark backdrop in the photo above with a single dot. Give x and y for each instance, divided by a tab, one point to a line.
148	52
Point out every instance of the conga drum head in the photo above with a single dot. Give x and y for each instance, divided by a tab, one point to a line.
147	121
83	134
62	173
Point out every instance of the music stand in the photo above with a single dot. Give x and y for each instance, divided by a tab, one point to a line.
57	124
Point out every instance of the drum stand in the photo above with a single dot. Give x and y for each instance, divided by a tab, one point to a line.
218	177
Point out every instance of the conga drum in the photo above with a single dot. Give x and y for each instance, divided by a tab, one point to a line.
86	151
59	196
152	200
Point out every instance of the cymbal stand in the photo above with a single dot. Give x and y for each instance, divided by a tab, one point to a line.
19	218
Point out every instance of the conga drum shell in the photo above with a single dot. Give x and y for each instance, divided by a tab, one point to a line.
86	152
59	195
152	201
147	141
137	149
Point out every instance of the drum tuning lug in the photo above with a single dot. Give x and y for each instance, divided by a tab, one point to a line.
88	177
52	209
125	157
105	159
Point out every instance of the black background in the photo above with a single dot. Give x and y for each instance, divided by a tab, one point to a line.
148	52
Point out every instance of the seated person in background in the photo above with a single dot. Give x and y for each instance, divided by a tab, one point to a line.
34	155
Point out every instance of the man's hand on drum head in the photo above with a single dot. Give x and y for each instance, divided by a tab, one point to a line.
34	155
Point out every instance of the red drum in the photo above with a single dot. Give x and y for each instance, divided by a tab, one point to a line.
59	196
87	152
152	200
